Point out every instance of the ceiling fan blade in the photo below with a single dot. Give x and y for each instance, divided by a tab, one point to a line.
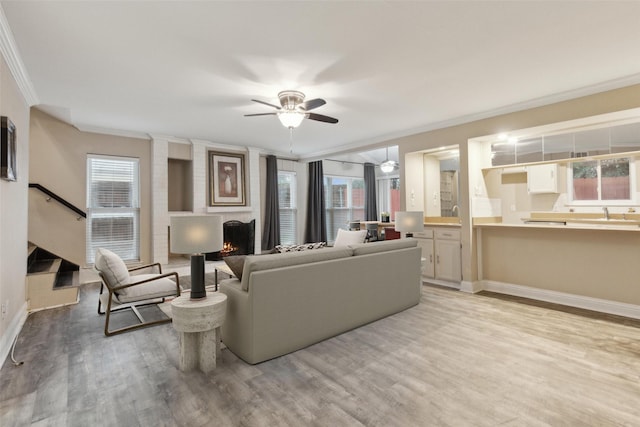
312	103
261	114
266	103
321	118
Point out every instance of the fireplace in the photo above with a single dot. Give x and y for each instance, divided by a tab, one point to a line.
239	239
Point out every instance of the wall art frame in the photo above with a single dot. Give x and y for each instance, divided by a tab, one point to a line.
7	149
226	179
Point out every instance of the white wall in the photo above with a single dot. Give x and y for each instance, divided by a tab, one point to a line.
13	216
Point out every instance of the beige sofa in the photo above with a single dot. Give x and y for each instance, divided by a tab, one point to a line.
285	302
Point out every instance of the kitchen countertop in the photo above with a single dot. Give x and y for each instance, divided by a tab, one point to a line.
569	226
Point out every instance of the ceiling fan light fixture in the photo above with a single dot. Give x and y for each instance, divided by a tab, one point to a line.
387	166
291	119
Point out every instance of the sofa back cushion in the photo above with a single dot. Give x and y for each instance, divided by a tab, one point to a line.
268	262
346	238
383	246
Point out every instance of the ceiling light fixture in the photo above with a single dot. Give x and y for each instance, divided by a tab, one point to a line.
291	118
388	165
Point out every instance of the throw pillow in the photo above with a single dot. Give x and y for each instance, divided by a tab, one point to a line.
297	248
112	266
346	238
236	264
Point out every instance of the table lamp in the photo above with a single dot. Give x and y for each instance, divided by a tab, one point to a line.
196	235
410	222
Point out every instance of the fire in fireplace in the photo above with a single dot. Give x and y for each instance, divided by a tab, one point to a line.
239	239
228	249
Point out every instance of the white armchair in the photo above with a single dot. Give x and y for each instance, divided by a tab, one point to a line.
127	291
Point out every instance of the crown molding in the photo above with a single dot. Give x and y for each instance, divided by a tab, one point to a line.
16	66
114	132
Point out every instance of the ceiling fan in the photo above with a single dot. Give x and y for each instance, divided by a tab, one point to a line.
293	109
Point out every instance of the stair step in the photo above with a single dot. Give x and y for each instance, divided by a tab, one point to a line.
44	266
67	279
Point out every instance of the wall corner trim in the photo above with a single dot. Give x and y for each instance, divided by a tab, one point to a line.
471	287
12	56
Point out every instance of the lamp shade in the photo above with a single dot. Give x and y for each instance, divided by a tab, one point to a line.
409	222
196	234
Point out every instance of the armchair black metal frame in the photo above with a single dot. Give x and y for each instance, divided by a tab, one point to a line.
142	301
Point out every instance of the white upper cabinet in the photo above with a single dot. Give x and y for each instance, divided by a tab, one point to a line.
542	179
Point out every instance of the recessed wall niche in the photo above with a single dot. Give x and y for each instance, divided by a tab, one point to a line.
180	185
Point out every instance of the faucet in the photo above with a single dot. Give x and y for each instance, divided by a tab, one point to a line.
606	212
454	210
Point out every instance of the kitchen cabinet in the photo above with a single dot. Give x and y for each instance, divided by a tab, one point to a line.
441	251
448	257
542	179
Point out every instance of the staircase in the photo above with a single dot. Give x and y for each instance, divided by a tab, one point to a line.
51	280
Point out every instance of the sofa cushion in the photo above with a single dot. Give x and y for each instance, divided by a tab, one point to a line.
346	238
303	247
267	262
236	264
383	246
112	267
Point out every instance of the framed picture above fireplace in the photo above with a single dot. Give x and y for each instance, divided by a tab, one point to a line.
226	183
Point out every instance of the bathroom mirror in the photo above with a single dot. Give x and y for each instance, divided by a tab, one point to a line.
442	178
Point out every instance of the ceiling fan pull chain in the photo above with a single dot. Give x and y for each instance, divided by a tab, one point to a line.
291	140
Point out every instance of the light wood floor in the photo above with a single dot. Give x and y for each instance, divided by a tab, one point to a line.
454	360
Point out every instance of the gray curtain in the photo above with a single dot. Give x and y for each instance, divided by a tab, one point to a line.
316	227
370	206
271	232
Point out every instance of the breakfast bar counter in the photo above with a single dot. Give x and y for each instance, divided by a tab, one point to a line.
585	260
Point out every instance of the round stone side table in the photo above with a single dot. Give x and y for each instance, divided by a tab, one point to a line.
199	322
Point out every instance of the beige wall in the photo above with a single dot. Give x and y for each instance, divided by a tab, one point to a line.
58	154
13	215
601	103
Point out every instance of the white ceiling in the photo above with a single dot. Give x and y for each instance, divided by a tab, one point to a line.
385	68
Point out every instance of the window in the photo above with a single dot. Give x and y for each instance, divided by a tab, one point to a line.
344	199
605	180
288	207
389	195
113	206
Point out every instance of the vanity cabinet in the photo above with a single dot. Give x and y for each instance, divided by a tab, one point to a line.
425	241
447	252
542	179
441	251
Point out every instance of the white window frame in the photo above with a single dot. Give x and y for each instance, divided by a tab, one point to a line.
291	210
383	191
127	249
600	202
350	208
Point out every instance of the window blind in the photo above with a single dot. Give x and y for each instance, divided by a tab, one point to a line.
113	206
287	207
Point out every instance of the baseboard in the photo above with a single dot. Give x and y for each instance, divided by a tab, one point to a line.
571	300
12	332
471	287
454	285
